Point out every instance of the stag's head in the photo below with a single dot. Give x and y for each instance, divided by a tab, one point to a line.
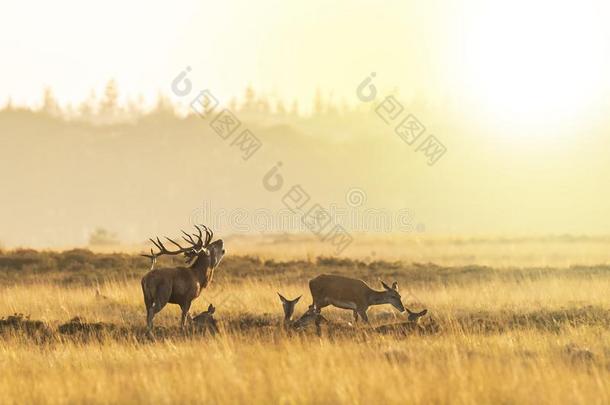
216	252
200	247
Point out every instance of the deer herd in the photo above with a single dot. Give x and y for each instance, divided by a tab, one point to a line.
181	285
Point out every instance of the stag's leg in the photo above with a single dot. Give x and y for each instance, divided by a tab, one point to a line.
149	318
161	298
148	302
362	313
152	311
185	313
355	316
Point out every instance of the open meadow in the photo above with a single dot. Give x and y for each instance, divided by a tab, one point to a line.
492	335
305	202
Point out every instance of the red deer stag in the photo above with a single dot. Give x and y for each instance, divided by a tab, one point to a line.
181	285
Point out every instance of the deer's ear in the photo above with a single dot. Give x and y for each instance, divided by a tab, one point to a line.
385	285
211	309
297	299
394	285
282	297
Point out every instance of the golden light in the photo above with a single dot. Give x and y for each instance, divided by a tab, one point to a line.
535	65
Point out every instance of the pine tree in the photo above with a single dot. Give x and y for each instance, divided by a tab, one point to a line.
9	104
49	104
109	106
249	99
87	108
233	105
279	108
263	105
295	108
164	105
318	105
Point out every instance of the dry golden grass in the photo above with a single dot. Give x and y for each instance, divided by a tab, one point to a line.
522	367
518	336
500	251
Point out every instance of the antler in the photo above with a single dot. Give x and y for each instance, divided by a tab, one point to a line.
153	259
208	234
191	251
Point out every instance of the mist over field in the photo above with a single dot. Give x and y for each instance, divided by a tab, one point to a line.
146	172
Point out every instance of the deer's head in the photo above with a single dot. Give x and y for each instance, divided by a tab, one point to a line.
203	249
414	316
216	251
199	249
312	315
289	306
206	321
392	296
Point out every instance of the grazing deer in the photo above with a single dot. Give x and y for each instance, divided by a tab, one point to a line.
181	285
348	293
206	321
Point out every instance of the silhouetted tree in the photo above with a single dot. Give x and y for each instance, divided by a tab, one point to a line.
109	105
9	104
279	108
135	108
164	106
103	237
249	99
318	105
49	103
295	108
88	108
331	109
263	105
233	104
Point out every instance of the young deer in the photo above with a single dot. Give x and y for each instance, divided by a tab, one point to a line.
288	306
310	316
414	316
348	293
206	321
404	328
181	285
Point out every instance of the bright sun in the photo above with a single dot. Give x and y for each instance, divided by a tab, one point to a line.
535	64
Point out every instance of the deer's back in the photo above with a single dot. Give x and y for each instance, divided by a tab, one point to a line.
159	275
338	287
180	280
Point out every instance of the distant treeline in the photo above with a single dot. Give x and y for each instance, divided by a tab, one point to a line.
108	109
81	266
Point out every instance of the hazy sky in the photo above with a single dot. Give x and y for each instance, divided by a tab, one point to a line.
517	62
518	91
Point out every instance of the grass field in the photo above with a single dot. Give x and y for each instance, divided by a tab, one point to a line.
493	335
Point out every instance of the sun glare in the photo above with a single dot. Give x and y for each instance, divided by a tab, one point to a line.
535	65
